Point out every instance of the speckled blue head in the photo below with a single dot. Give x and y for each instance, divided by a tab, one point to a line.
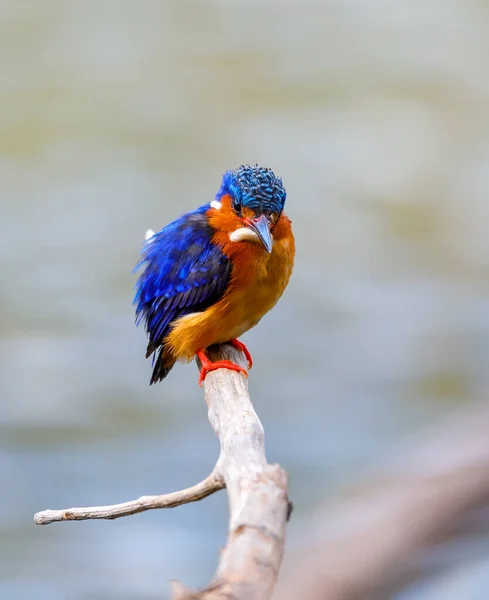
254	187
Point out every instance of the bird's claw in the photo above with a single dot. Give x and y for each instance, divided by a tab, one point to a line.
240	346
219	364
208	366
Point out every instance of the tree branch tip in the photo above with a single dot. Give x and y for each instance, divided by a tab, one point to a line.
45	517
211	484
39	517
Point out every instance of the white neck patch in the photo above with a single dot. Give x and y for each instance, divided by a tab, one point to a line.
242	234
215	204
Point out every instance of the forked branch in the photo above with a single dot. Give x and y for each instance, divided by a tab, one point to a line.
258	501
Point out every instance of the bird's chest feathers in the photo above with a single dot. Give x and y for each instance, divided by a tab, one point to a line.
254	287
258	280
255	272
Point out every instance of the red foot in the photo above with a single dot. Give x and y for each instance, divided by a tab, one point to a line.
208	366
240	346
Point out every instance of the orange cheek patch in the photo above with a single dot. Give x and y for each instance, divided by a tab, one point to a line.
226	201
224	219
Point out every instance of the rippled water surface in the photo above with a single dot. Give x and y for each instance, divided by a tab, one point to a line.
119	116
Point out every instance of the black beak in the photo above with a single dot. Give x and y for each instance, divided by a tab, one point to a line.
261	226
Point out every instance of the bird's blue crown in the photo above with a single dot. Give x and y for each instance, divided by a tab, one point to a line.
254	187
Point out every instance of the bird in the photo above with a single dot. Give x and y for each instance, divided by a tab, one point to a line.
213	273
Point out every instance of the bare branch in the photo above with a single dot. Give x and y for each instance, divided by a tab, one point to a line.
257	491
258	501
208	486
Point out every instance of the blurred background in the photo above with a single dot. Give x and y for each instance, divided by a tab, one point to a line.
117	116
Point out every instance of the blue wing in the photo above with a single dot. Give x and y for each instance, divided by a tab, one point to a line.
183	273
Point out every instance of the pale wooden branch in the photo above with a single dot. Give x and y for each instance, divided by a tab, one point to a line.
208	486
258	501
369	546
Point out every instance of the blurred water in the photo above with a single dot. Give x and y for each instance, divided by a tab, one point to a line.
118	116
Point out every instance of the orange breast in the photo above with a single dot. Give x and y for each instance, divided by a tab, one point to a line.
257	282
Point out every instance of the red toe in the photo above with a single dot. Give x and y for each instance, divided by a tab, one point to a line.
208	366
240	346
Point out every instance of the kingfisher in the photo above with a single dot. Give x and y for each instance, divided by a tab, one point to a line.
213	273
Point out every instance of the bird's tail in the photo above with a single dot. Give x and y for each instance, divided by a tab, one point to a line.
162	363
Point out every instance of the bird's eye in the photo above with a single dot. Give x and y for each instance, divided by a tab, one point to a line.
237	206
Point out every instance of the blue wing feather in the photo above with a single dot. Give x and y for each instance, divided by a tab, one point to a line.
183	273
